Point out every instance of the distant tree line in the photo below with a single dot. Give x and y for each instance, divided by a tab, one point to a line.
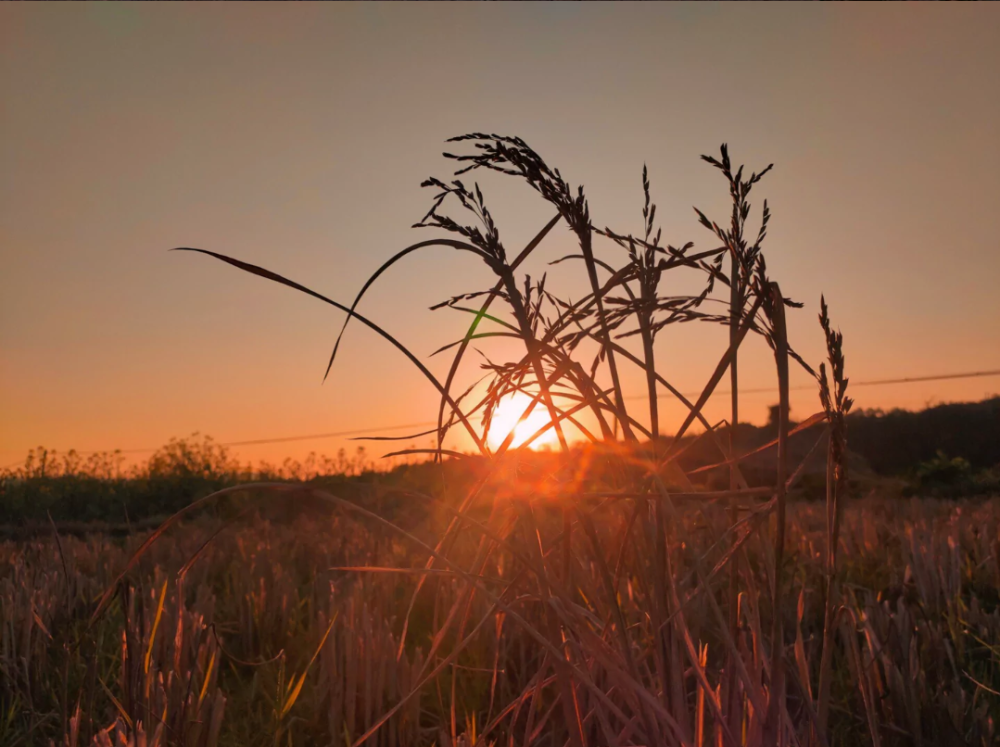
948	450
68	487
896	442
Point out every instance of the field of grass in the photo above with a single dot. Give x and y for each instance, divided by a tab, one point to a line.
617	593
216	654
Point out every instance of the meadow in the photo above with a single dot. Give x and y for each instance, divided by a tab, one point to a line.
612	593
269	638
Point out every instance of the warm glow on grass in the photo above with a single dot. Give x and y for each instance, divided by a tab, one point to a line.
505	420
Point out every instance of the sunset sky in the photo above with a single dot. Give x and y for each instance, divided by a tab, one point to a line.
296	137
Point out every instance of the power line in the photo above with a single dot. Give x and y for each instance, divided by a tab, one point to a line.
257	441
877	382
365	431
970	375
317	436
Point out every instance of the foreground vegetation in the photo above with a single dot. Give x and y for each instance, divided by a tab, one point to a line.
622	593
216	654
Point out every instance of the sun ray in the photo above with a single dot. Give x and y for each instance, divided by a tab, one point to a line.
505	419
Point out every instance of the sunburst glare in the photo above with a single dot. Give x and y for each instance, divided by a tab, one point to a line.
505	419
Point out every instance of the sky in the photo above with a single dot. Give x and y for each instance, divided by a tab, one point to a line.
296	137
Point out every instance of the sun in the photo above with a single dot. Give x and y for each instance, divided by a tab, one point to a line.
505	419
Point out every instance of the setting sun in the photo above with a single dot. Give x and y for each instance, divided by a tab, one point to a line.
506	417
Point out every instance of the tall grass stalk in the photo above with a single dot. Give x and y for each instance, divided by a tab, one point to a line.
775	731
836	404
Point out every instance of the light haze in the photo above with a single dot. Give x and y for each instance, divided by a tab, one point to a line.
296	137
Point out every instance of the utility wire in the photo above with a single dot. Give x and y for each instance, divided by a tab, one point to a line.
877	382
254	442
326	435
365	431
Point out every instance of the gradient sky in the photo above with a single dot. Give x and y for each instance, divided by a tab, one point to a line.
296	137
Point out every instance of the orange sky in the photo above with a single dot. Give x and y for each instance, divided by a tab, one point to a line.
296	137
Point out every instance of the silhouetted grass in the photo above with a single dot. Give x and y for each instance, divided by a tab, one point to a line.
580	603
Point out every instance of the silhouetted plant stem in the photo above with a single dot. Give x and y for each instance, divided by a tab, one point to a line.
586	246
776	310
735	313
531	344
837	404
654	414
463	346
713	382
534	354
830	596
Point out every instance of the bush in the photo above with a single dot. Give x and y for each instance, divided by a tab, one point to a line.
943	471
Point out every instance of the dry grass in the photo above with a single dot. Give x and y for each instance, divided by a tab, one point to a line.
606	600
919	620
